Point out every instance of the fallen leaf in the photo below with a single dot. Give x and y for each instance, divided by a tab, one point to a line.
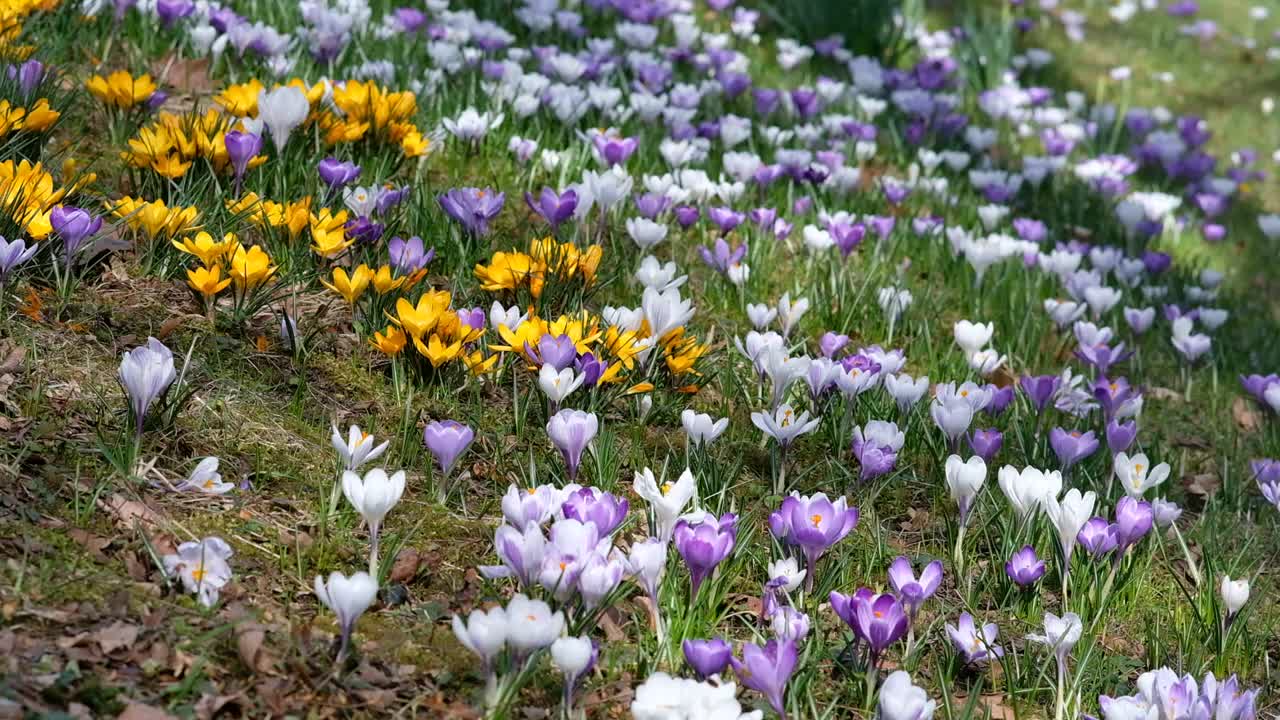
115	636
406	565
138	711
1203	485
95	544
185	75
612	630
1191	441
299	539
1246	414
209	705
129	512
13	361
168	326
251	642
1161	393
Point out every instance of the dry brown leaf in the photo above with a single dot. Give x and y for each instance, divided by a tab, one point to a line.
115	636
1160	393
251	643
95	544
1204	485
299	539
13	360
612	630
128	512
1246	414
406	566
209	705
138	711
168	326
185	75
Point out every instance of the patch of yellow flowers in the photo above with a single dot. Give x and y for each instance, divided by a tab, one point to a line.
121	90
546	259
246	268
438	332
36	119
155	218
28	194
173	142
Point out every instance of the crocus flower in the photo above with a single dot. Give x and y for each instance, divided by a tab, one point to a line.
1040	389
205	478
12	254
900	699
336	173
447	440
646	565
767	669
986	443
700	428
721	258
913	591
1120	436
1068	516
704	544
521	552
484	632
1072	446
358	449
202	566
599	576
241	147
553	207
574	657
952	416
783	425
964	481
876	447
812	523
572	431
1098	537
667	500
1134	519
1024	568
1165	513
977	645
473	208
880	620
74	226
707	657
348	598
146	372
593	505
1136	475
1029	488
531	625
282	110
905	390
558	384
1235	593
1060	635
536	505
373	496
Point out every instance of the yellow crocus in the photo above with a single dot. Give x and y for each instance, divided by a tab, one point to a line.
207	281
390	343
250	267
384	282
436	351
422	318
121	90
205	248
478	364
352	286
40	116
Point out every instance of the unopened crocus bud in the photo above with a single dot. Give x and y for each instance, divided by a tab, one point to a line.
1235	593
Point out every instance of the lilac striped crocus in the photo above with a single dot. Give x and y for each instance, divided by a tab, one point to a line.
913	591
879	620
721	257
1072	446
146	372
12	254
612	150
593	505
572	431
447	440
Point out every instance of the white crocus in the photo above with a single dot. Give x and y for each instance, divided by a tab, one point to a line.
645	232
358	449
964	481
348	598
900	699
972	337
700	428
373	496
1136	474
206	479
783	425
667	500
1235	593
559	384
531	625
1029	488
1068	516
282	110
789	313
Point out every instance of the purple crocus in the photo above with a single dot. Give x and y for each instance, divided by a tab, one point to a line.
986	443
592	505
447	440
1072	446
721	258
29	76
707	657
473	208
767	670
553	207
1001	398
171	11
848	236
74	226
687	215
1098	537
591	368
613	150
1133	521
1102	356
1024	568
831	343
1120	436
241	147
408	256
879	620
1256	385
1040	389
912	590
521	553
726	219
651	205
558	351
1266	473
704	544
814	524
336	173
